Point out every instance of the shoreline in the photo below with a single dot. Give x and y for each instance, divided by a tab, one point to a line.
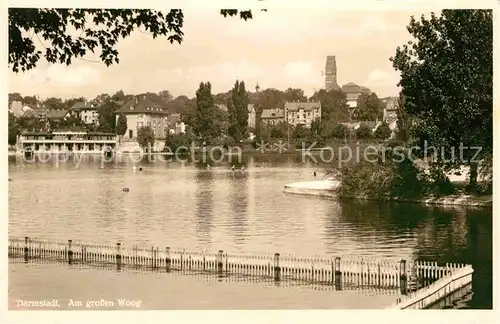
451	200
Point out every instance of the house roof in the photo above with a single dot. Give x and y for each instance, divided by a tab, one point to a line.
354	88
295	106
272	113
29	113
82	105
53	113
143	105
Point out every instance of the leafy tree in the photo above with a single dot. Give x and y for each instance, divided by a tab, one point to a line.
103	35
13	129
447	82
294	95
222	98
300	132
317	126
370	108
121	125
165	96
238	111
279	131
364	131
119	96
178	144
181	105
53	103
203	121
383	131
339	131
146	138
100	99
333	105
30	100
16	96
403	121
221	121
107	115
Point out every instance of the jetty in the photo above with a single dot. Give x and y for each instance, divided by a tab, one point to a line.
419	284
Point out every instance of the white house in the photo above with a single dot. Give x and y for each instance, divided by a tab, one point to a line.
86	111
144	112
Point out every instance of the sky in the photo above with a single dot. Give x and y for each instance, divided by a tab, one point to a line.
278	49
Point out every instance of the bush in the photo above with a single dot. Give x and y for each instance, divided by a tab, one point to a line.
364	131
438	184
367	180
340	131
383	131
178	144
383	179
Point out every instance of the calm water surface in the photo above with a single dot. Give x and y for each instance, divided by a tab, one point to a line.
185	205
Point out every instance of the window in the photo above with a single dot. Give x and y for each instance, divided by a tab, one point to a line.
154	124
130	133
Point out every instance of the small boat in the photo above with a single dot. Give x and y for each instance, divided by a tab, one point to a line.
328	186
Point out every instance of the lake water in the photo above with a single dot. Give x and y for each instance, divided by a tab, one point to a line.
186	205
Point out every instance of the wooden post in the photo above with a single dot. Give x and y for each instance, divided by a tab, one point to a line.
277	268
379	274
118	257
338	274
26	250
70	252
168	261
220	265
403	280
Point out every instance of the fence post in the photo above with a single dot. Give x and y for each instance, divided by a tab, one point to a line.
403	280
26	256
219	262
70	252
118	257
379	276
338	274
168	260
277	268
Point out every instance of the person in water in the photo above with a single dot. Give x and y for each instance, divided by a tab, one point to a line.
314	174
208	166
232	168
140	168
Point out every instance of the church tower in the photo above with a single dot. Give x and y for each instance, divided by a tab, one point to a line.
331	74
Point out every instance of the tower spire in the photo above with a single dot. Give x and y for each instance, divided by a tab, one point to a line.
257	88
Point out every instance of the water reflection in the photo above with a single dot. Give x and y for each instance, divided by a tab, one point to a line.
240	188
204	205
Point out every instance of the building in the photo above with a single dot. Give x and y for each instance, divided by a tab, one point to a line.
331	74
302	113
143	112
252	116
176	125
66	142
391	113
352	92
390	109
85	111
272	116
